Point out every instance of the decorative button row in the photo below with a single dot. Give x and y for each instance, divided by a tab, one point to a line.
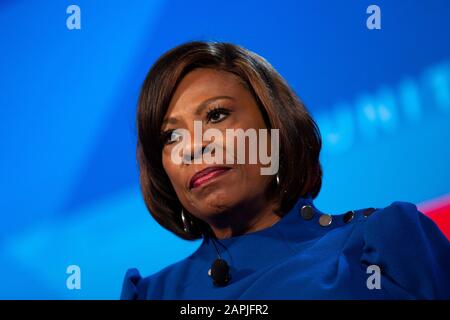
307	213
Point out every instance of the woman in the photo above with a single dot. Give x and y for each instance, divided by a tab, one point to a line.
263	238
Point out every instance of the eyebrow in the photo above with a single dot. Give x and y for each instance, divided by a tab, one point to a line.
199	108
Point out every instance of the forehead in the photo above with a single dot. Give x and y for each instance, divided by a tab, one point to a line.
201	84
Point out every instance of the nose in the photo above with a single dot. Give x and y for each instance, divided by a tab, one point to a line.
195	151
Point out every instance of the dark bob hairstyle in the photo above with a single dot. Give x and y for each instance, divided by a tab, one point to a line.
300	171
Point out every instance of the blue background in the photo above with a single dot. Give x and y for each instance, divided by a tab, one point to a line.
69	189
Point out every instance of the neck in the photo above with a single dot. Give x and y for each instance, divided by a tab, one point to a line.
243	220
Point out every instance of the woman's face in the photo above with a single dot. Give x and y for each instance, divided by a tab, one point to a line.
220	101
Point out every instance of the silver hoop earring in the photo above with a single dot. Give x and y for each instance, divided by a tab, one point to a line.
186	224
278	180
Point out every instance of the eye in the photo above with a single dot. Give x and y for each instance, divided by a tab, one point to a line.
217	114
170	136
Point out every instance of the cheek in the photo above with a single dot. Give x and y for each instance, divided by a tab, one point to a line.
253	177
170	168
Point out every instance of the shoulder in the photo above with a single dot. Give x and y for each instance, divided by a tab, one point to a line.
136	287
405	213
130	285
409	248
401	223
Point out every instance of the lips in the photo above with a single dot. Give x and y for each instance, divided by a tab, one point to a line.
206	175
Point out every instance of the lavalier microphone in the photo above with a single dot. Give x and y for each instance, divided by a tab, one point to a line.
219	271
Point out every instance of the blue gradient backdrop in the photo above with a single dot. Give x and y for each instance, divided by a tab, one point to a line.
69	191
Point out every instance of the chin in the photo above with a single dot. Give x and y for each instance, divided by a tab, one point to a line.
215	204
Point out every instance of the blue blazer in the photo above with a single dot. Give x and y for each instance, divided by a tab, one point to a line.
390	253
